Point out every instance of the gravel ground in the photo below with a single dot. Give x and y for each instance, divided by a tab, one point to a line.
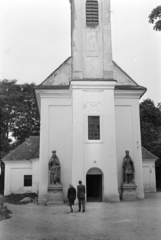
139	220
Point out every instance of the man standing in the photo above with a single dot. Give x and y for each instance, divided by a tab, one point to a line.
81	196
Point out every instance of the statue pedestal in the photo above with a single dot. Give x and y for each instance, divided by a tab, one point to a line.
128	191
55	194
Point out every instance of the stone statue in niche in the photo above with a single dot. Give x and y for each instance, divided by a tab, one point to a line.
128	169
54	169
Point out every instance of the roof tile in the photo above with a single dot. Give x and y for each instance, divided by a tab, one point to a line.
147	155
25	151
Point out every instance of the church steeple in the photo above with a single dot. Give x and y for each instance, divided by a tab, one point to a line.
91	40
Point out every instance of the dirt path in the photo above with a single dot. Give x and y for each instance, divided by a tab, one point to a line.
139	220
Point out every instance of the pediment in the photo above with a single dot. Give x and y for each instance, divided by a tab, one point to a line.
122	77
62	76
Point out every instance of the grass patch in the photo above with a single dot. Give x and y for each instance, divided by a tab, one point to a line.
16	198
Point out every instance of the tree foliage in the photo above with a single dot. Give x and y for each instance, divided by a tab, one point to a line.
19	117
150	118
155	18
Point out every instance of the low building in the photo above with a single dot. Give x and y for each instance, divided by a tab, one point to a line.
149	174
22	168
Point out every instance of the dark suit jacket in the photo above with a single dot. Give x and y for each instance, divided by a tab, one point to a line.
81	191
71	193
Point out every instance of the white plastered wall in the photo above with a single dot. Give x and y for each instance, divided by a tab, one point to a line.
128	135
149	175
95	99
35	175
91	47
14	176
56	134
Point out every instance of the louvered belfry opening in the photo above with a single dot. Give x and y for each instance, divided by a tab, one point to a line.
92	13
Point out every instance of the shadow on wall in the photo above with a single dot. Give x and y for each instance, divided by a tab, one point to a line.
158	174
2	166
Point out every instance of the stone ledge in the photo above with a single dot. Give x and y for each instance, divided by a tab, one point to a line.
55	194
55	187
128	192
129	186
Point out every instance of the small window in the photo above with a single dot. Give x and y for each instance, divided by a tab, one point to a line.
27	180
92	13
93	127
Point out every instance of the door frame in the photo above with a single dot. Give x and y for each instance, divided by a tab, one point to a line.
95	171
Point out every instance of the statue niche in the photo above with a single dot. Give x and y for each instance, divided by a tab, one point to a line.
54	169
128	169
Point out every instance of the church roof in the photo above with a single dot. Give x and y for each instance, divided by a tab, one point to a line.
30	150
148	155
25	151
61	78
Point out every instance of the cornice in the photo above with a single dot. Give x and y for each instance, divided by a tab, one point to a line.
51	93
48	93
124	94
17	161
149	160
93	84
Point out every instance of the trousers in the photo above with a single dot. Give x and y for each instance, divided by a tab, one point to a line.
81	203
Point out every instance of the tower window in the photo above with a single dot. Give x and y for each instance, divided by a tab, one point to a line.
92	13
93	127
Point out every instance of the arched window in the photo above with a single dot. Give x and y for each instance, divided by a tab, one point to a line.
92	13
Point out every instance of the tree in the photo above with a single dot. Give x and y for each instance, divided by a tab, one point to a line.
19	117
155	17
150	119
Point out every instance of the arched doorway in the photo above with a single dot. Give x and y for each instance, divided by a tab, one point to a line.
94	185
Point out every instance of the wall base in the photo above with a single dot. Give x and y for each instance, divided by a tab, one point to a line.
42	199
54	195
111	198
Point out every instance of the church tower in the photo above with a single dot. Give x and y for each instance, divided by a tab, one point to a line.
91	40
92	84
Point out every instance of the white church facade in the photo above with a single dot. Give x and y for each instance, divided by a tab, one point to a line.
90	89
89	112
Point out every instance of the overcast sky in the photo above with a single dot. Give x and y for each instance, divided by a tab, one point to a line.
35	39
